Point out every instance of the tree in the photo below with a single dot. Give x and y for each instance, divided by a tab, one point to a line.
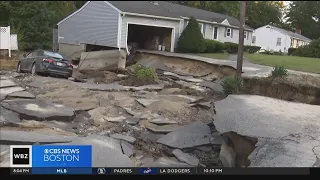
259	13
305	15
191	39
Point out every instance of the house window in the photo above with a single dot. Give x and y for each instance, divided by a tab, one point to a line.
245	35
228	32
278	42
215	33
253	39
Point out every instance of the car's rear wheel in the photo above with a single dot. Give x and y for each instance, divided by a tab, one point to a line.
19	68
33	69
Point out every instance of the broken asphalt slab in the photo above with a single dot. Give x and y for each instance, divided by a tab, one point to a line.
194	134
185	78
5	91
7	83
185	157
7	116
162	121
123	137
215	86
161	128
38	109
288	130
127	148
146	102
36	84
101	87
179	97
103	155
166	162
21	94
152	87
15	137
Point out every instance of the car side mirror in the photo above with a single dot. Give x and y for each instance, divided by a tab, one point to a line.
24	55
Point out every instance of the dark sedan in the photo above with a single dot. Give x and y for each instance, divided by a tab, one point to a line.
46	63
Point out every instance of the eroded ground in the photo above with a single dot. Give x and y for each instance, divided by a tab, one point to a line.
180	119
128	125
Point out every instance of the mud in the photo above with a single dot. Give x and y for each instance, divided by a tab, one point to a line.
295	88
196	68
133	81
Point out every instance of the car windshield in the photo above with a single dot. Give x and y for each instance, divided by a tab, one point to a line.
52	54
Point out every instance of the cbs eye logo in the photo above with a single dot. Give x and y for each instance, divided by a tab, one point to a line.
20	156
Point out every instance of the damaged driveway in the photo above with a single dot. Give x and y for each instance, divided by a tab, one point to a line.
127	126
287	133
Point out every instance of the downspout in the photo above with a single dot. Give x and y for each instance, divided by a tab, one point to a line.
119	31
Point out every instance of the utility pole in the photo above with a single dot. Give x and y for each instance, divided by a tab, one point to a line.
241	37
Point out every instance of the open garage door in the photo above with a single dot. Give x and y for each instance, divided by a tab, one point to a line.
151	37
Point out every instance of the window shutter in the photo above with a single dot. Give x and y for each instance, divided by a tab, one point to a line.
231	32
225	32
247	35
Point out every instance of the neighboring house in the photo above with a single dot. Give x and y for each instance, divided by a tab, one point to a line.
146	23
276	39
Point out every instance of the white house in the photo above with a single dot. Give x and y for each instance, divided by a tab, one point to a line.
116	24
276	39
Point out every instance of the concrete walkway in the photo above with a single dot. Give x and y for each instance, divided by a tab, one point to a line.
249	69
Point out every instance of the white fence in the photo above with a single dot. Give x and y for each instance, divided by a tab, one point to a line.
8	41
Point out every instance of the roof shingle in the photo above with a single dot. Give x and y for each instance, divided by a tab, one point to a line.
290	33
167	9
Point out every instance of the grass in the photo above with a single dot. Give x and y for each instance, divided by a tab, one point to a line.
305	64
214	55
8	64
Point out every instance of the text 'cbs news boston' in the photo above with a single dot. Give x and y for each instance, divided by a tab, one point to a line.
51	159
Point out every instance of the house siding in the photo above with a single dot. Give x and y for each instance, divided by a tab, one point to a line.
96	23
147	21
208	31
267	39
235	36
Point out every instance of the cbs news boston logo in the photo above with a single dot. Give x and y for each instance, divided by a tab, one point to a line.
50	156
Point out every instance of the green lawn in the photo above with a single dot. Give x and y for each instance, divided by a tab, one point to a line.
290	62
214	55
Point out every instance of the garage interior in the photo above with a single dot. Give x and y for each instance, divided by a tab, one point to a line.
149	37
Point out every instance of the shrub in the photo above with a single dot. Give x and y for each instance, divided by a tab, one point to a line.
232	85
213	46
144	73
291	51
231	47
252	49
191	39
311	50
279	71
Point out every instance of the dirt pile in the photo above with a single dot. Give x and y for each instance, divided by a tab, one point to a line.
134	81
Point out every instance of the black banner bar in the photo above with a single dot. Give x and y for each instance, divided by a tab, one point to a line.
254	171
181	171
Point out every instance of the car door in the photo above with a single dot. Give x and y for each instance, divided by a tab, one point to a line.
33	59
24	63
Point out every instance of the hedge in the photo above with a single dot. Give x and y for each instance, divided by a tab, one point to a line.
231	47
252	49
291	51
213	46
311	50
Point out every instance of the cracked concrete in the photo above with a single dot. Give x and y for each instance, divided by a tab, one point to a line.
287	132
